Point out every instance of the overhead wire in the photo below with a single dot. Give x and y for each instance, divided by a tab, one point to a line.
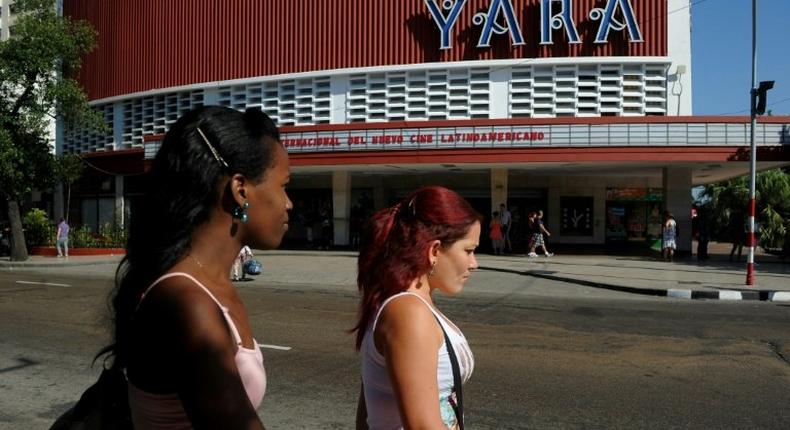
107	172
747	110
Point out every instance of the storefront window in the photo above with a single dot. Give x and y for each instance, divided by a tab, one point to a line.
310	223
576	217
97	212
633	214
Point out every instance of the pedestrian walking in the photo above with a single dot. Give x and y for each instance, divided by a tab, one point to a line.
506	219
181	331
669	237
495	233
539	234
238	265
414	359
62	238
530	232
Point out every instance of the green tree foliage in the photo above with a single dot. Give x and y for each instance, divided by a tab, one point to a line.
722	200
774	208
38	66
39	228
68	169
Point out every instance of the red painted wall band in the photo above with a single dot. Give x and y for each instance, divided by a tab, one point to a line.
149	44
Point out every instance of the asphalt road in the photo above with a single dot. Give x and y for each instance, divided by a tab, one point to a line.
548	355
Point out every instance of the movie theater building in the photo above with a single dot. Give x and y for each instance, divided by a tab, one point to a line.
581	108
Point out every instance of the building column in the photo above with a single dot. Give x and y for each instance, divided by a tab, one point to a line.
679	73
498	188
678	201
120	209
341	206
553	212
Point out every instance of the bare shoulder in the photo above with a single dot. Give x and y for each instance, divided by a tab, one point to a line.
407	319
192	315
179	293
406	307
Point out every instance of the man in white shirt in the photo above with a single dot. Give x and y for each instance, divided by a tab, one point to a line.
238	266
505	219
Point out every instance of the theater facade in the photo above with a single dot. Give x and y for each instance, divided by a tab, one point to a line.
581	108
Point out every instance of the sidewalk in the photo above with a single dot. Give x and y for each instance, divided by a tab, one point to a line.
716	279
42	261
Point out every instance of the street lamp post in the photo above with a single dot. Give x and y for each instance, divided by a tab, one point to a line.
759	101
753	152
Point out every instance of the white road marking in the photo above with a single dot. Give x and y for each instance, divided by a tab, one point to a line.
281	348
43	283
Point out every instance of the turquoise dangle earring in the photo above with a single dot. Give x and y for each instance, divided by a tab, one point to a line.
240	212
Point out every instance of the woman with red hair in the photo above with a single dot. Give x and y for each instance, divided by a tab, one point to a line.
410	378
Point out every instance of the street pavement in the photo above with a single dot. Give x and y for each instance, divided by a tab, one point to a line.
717	278
548	354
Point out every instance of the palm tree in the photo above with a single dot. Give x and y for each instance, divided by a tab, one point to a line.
723	199
774	203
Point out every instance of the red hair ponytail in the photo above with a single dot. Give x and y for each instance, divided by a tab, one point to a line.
394	244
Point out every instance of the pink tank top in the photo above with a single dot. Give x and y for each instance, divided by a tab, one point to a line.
165	411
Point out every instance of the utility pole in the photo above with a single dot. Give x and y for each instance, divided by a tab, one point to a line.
753	153
759	101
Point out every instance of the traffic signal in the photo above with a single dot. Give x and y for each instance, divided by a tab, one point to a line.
761	97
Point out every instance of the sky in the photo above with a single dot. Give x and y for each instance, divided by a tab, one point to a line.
721	55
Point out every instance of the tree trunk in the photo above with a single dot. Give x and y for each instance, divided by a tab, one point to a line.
68	202
18	248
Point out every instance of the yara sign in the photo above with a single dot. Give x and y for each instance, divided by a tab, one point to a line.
490	21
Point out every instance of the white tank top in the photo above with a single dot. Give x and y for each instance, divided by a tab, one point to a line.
382	406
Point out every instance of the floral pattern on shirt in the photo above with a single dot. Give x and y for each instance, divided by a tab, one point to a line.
447	412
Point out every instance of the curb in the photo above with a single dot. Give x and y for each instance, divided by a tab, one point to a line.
729	295
17	266
9	265
51	251
780	296
605	286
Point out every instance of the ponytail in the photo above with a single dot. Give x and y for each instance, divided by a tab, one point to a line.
395	240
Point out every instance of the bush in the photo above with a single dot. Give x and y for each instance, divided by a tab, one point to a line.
39	230
108	236
114	237
82	237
